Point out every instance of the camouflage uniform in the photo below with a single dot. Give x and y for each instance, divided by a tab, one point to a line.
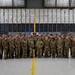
1	48
73	48
71	40
46	48
53	47
31	47
63	40
5	47
66	48
42	37
17	47
11	47
35	38
56	39
39	46
49	38
60	47
24	47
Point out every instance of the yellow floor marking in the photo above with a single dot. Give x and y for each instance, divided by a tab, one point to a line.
32	70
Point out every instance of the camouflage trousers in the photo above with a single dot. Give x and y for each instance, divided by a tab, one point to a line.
59	52
53	52
66	51
5	53
46	52
31	52
24	54
17	52
11	52
39	52
73	52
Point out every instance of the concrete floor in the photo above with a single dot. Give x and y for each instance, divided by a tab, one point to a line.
44	66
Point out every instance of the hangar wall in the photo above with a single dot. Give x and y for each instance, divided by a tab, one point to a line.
47	20
42	16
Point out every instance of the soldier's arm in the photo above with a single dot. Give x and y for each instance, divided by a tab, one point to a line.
42	44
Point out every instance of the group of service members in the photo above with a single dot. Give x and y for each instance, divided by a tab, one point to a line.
37	45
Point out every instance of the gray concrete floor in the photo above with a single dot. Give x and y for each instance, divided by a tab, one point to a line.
44	66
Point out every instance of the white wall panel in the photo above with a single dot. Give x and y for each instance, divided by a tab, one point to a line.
10	16
31	16
58	16
49	15
62	16
74	15
63	3
14	16
45	15
37	20
19	3
49	3
37	16
41	19
31	19
71	16
54	15
2	15
41	15
37	12
23	16
6	15
66	16
31	12
19	14
27	15
73	3
6	3
27	19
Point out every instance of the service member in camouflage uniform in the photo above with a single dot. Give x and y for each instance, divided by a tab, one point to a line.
35	37
1	48
53	47
11	47
5	46
60	47
56	38
67	46
63	37
31	47
73	47
46	47
49	38
17	46
71	40
24	47
39	46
